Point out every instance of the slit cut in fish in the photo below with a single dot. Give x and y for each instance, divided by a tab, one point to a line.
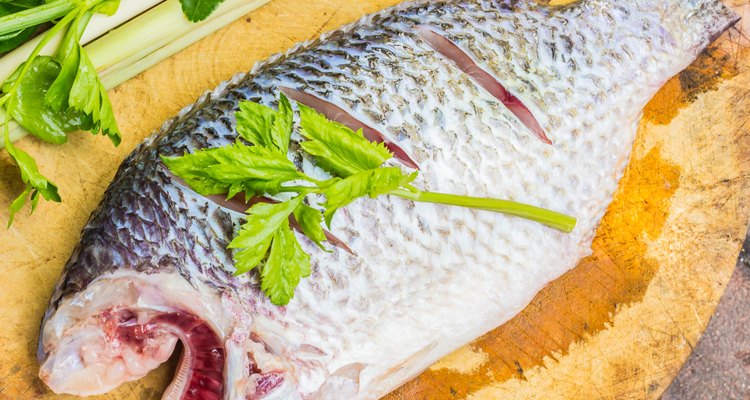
238	204
336	113
465	63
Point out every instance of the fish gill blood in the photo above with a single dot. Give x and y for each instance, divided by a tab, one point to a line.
465	63
202	365
337	114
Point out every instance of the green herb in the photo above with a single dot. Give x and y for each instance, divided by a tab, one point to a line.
234	169
52	96
372	183
265	126
310	220
30	109
337	148
10	41
267	226
198	10
36	183
287	263
266	240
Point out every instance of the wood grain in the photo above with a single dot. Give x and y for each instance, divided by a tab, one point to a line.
619	326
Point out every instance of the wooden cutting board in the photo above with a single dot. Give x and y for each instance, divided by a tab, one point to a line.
619	326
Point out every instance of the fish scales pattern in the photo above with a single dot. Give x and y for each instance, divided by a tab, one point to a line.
378	71
424	277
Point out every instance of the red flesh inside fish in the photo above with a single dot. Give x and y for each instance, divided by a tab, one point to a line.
200	375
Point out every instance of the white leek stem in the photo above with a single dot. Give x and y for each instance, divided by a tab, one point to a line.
128	50
146	41
99	25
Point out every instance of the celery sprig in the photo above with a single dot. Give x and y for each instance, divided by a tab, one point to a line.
266	241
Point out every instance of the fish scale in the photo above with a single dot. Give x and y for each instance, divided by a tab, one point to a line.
424	279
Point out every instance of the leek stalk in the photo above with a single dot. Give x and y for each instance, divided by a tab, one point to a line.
147	42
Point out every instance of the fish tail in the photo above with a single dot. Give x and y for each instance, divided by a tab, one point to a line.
689	25
692	24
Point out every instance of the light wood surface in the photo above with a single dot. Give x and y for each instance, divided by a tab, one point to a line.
619	326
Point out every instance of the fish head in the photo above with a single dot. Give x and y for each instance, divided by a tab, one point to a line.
123	326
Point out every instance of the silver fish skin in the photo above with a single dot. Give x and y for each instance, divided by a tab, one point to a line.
152	266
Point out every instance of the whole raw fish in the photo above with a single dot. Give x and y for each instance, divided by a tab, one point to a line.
495	98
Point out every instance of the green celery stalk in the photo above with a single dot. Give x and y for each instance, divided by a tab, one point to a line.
550	218
37	15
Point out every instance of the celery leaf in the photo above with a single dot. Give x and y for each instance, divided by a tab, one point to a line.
198	10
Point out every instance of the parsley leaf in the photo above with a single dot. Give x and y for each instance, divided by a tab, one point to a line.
264	126
17	204
68	57
262	221
233	169
31	176
198	10
372	183
192	169
309	220
60	95
59	90
107	121
41	99
254	237
338	149
52	96
251	256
